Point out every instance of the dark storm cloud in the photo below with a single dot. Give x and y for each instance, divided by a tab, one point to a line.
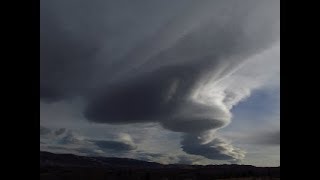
142	61
144	98
64	65
160	87
73	33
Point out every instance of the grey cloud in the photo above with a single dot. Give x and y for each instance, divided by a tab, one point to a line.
64	65
59	131
274	138
87	151
70	138
71	40
114	145
122	143
266	138
73	34
60	136
217	149
144	98
64	139
263	137
157	157
168	158
195	117
187	159
131	63
44	130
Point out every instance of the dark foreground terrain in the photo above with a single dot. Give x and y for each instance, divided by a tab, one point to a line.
68	166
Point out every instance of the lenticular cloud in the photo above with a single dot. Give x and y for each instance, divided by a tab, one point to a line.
167	62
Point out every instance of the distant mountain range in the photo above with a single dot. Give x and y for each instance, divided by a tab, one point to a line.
70	166
71	160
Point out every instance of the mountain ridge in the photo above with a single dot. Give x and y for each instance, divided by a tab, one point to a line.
69	166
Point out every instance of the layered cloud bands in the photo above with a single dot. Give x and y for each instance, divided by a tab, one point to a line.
153	61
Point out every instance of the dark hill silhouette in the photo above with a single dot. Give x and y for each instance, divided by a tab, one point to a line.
71	160
69	166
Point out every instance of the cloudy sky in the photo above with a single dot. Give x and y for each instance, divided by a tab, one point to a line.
171	81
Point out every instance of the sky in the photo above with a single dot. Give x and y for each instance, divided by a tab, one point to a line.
171	81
